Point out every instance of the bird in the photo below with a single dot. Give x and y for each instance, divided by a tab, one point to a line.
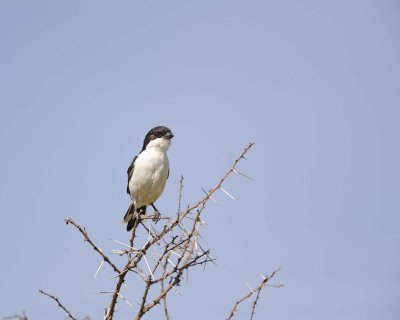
148	174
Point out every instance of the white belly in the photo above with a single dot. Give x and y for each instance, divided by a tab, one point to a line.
149	177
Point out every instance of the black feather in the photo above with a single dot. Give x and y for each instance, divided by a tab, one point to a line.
130	172
131	211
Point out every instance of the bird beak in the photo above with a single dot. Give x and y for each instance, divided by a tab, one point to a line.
169	135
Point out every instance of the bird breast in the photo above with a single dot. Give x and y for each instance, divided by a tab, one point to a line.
149	177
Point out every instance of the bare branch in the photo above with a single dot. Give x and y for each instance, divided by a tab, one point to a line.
218	186
16	317
180	194
96	248
59	304
256	291
168	252
121	278
254	304
163	289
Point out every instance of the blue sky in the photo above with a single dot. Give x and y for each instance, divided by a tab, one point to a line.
314	84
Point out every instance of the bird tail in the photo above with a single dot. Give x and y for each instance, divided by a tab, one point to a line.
130	216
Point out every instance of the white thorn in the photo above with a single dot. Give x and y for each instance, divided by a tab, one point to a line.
249	287
149	236
148	266
227	193
120	295
119	252
125	245
98	269
169	260
175	253
127	302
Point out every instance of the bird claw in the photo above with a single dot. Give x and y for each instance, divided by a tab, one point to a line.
156	216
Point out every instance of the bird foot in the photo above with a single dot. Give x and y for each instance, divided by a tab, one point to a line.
156	216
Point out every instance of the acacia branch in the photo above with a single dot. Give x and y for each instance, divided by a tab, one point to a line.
254	304
175	249
201	203
121	275
256	291
121	278
16	317
163	289
59	304
88	240
218	186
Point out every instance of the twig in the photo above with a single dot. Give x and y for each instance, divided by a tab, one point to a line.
16	317
87	239
162	290
174	248
253	291
59	304
180	194
210	193
121	278
253	305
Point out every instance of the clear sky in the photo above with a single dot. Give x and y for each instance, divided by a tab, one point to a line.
315	84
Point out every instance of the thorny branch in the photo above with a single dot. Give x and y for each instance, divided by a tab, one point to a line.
16	317
59	304
167	254
86	237
255	291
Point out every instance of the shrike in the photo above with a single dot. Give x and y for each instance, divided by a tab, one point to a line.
148	173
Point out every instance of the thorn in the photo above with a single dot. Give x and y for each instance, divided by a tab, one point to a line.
172	251
169	260
98	269
227	193
209	195
120	295
125	245
149	237
249	287
148	266
127	302
184	227
242	174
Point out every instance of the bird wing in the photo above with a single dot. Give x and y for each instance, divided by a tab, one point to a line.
130	172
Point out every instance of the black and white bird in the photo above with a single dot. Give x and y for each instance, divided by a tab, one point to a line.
148	173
